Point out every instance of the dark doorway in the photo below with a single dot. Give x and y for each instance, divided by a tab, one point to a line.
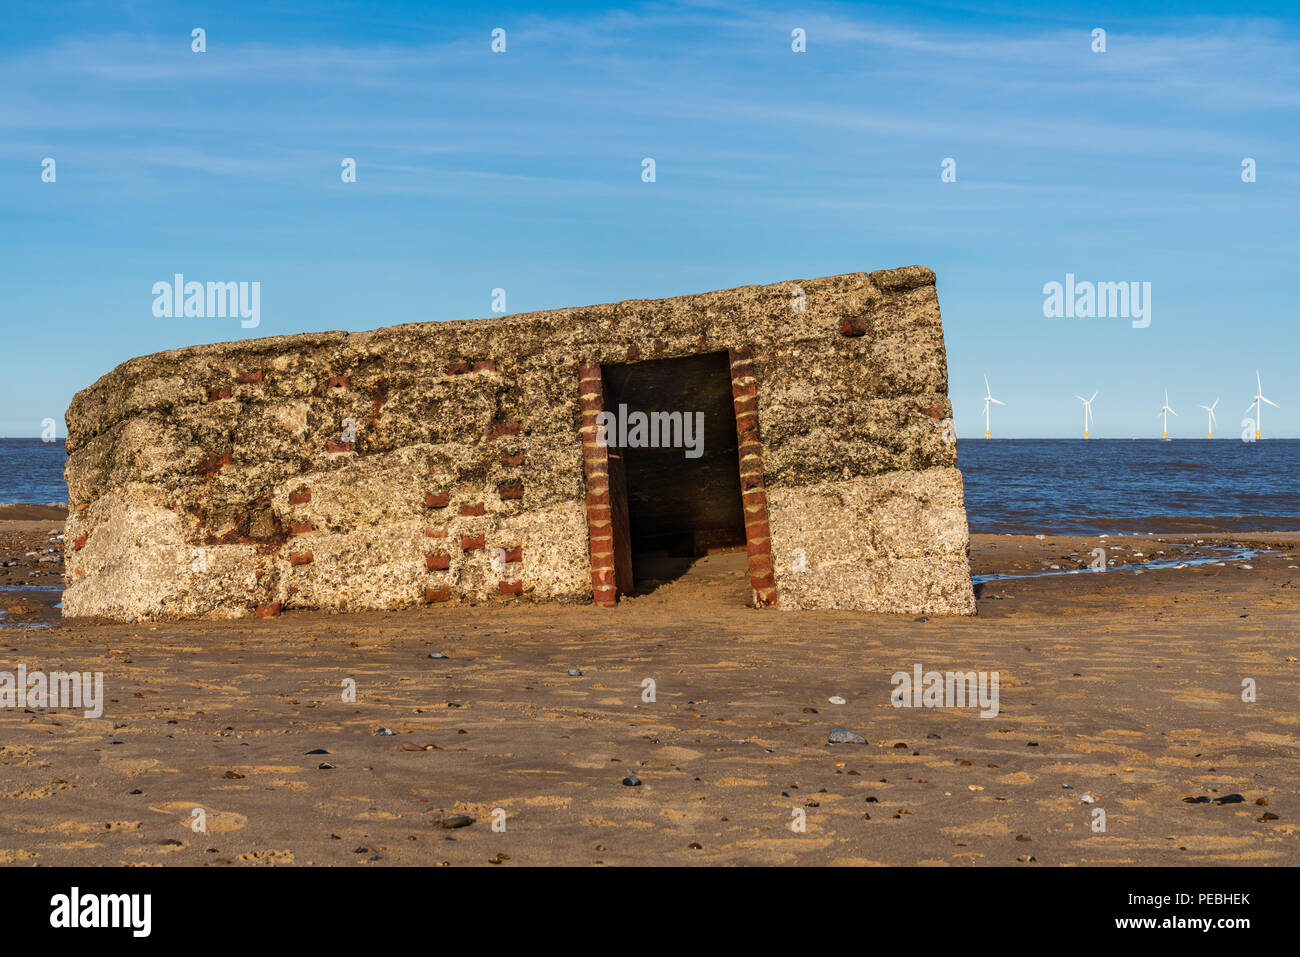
681	499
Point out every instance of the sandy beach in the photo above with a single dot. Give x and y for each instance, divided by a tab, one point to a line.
1122	688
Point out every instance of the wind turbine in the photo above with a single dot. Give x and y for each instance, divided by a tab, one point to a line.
1087	412
1165	411
1210	424
988	397
1259	397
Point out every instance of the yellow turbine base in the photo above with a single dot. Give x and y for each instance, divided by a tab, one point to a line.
1257	435
986	433
1210	436
1165	436
1085	433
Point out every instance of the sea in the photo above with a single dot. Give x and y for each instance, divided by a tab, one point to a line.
1128	486
31	472
1013	486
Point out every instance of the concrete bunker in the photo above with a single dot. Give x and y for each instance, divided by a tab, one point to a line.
461	462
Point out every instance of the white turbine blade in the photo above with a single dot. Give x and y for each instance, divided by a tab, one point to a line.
1172	412
1215	405
996	401
1271	402
1258	383
1094	395
1082	399
987	390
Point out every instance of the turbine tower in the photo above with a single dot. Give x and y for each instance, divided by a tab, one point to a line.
1166	412
1210	424
1255	404
988	397
1087	412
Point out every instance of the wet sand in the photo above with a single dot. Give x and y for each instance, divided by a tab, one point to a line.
1126	687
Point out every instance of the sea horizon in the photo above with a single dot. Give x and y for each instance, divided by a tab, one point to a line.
1012	486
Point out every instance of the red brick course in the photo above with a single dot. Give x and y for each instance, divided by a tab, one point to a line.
758	532
595	466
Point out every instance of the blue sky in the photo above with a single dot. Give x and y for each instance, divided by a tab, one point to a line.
523	171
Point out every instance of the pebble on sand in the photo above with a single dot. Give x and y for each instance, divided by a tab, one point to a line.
454	820
842	735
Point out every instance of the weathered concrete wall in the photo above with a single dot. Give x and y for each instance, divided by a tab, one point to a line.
445	461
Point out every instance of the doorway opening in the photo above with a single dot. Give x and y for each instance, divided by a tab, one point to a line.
674	477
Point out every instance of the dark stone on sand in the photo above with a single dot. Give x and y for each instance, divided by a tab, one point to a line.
1230	799
316	751
632	781
454	821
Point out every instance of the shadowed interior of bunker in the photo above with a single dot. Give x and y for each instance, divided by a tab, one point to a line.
668	506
